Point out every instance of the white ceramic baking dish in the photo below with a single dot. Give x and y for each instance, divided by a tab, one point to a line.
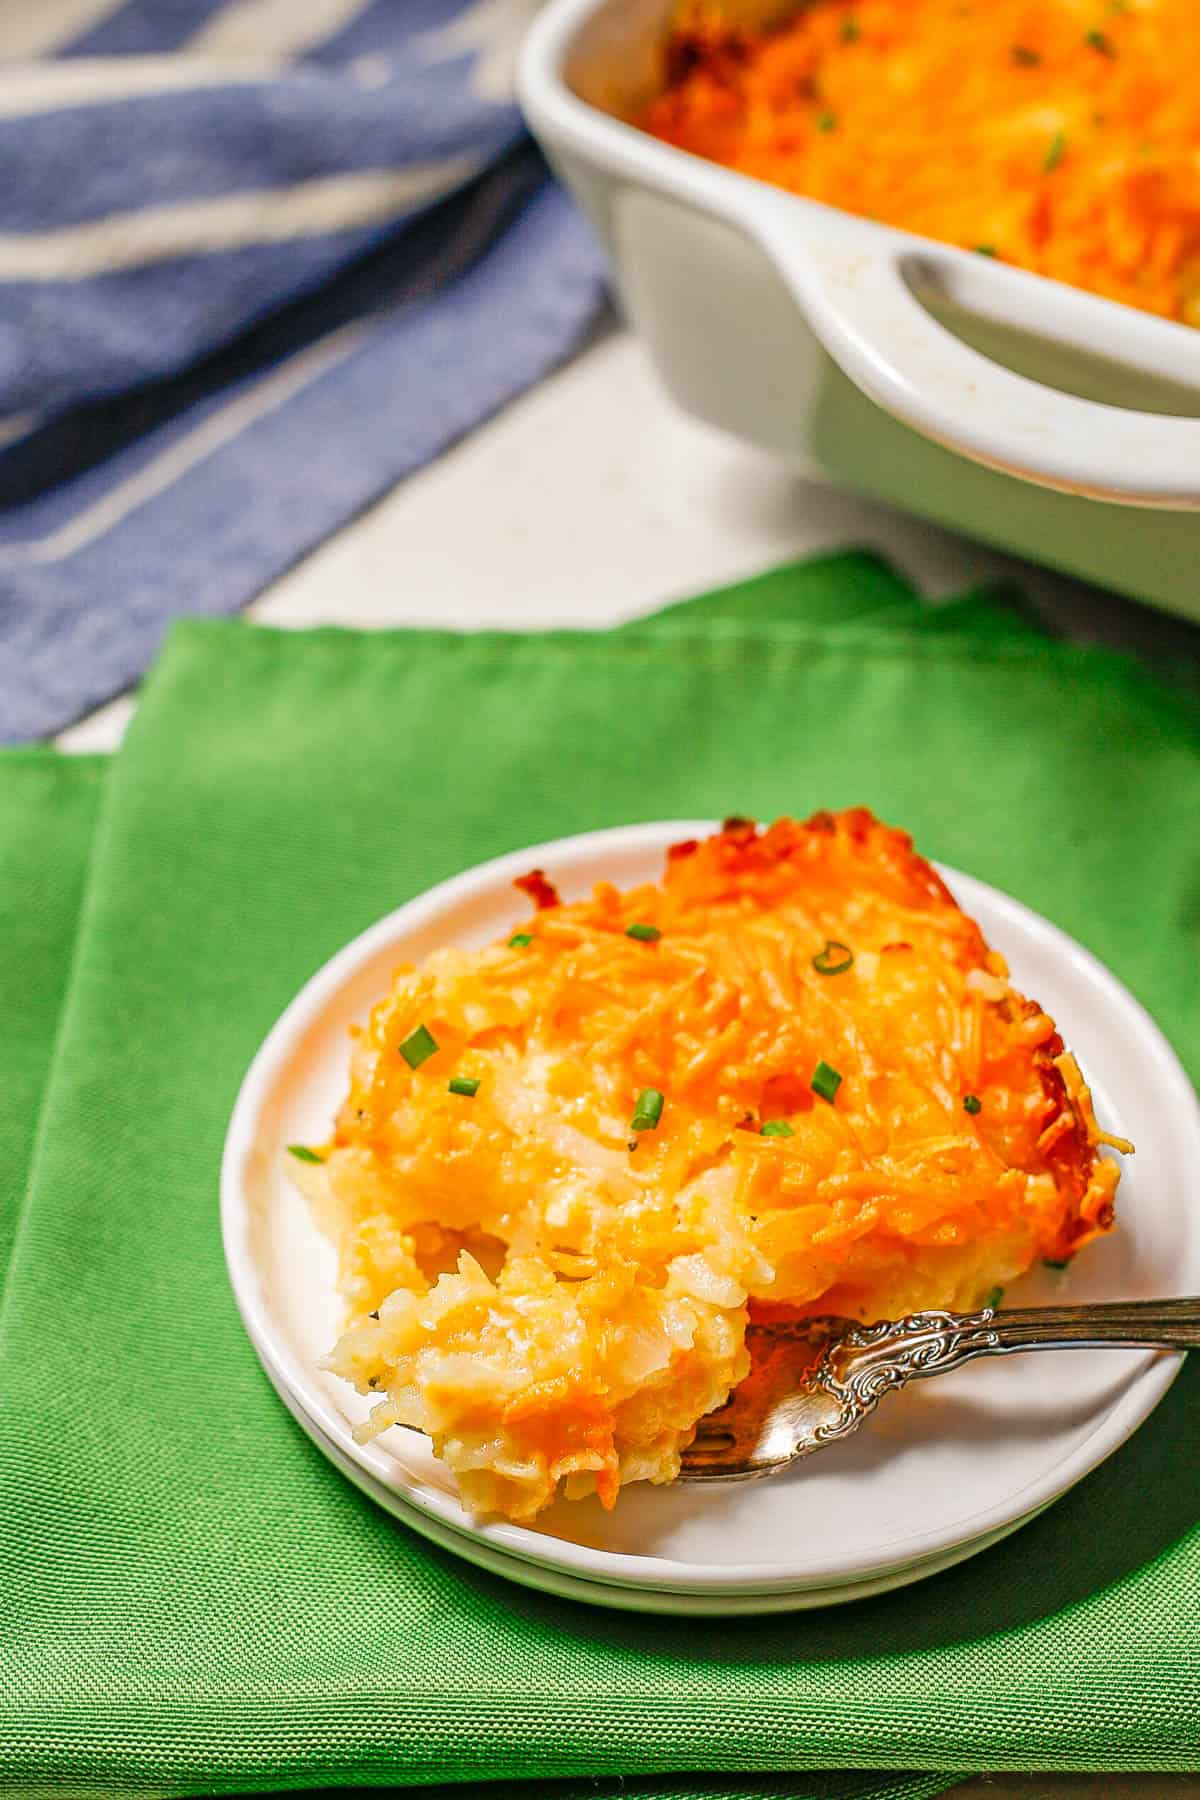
1044	420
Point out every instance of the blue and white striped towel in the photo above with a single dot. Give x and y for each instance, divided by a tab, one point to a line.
258	259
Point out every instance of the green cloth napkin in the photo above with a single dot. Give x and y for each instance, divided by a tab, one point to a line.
47	813
196	1600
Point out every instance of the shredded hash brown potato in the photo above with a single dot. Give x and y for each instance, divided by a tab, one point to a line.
556	1297
1062	136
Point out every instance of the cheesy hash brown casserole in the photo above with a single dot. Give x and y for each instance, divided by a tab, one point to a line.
1059	136
791	1073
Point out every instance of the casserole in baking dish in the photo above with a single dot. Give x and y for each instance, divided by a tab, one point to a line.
1063	138
1049	421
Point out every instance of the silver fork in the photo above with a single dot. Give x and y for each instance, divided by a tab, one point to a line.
814	1381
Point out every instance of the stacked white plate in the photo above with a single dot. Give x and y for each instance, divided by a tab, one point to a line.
941	1471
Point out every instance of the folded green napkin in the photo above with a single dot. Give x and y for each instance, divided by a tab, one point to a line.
47	812
195	1600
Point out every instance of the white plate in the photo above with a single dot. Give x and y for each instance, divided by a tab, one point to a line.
942	1469
547	1579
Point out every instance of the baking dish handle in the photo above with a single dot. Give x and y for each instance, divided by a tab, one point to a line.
858	299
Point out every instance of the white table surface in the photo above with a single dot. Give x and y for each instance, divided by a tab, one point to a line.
592	500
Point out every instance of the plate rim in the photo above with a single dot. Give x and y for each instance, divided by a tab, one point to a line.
566	1584
295	1382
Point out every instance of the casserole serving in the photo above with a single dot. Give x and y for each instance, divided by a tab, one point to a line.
927	1485
1043	419
575	1166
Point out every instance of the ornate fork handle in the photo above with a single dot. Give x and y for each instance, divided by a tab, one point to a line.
1137	1324
873	1360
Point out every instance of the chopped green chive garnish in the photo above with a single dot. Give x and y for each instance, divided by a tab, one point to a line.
1024	57
825	1081
995	1297
850	31
972	1103
1056	152
520	940
648	1110
462	1084
826	121
302	1153
646	934
419	1047
985	250
777	1128
1098	40
834	959
1056	1262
